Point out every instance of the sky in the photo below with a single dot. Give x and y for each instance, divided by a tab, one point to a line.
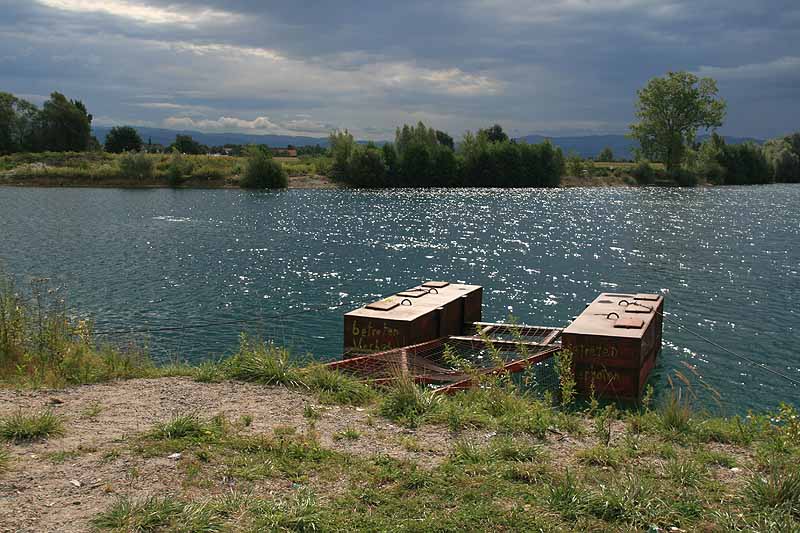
553	67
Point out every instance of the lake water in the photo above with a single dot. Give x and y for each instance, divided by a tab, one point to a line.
727	260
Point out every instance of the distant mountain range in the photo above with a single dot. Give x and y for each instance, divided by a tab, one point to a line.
166	137
584	145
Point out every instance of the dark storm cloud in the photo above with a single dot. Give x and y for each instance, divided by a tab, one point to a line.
561	66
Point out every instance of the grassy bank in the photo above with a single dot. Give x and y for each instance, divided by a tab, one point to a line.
101	169
254	442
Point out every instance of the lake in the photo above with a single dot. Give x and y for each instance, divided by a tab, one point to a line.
727	260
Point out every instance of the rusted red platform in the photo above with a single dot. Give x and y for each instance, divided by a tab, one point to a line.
615	342
429	311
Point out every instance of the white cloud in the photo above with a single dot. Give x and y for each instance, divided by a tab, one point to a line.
258	124
147	14
781	66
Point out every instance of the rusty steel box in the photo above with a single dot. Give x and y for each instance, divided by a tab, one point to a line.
615	342
420	314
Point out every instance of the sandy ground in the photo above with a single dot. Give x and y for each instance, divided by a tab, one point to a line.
39	493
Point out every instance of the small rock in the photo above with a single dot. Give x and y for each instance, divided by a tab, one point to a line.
75	483
736	469
174	456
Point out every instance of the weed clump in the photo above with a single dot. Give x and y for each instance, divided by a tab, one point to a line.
263	363
335	387
406	403
21	427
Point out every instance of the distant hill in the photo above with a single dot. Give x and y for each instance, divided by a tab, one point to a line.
622	146
585	146
165	137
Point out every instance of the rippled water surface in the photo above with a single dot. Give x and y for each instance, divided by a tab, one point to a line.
728	259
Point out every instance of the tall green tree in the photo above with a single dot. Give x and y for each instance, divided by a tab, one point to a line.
606	156
670	111
123	139
445	139
64	125
17	124
495	134
186	145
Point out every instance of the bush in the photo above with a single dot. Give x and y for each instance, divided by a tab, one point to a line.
134	165
744	164
262	172
644	173
366	168
683	177
179	169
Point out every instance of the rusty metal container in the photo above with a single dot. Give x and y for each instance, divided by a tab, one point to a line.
432	310
614	343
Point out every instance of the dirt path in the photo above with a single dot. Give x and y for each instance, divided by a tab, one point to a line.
40	490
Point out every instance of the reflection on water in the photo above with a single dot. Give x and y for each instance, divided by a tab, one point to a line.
727	259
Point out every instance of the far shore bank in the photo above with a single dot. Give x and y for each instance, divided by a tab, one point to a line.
306	181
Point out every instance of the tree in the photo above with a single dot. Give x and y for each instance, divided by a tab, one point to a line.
64	125
262	172
186	145
670	111
495	134
606	156
445	139
123	139
17	124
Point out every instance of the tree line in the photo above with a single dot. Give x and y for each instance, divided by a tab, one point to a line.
61	125
425	157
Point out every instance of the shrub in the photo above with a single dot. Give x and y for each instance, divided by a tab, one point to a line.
644	173
366	168
25	428
744	164
262	172
683	177
135	165
179	169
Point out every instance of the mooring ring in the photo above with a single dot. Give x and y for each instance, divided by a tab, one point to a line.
608	316
404	300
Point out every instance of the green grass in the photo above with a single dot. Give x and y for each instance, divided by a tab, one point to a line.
335	387
159	514
22	427
777	488
181	427
5	460
407	403
263	363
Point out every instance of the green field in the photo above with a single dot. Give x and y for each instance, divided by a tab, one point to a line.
99	168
